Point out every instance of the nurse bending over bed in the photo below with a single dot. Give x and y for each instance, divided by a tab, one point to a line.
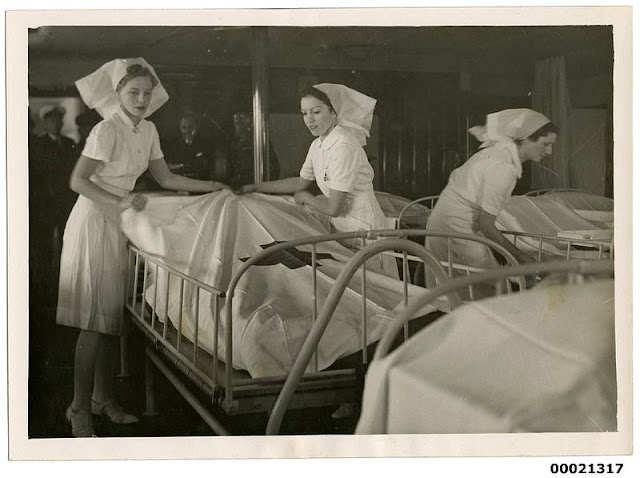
94	257
340	118
478	190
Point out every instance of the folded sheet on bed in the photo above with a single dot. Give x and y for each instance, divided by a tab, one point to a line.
538	361
208	237
545	215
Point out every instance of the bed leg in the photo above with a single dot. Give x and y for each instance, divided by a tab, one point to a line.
124	362
150	402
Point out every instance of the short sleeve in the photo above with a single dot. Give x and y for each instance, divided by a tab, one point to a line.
307	172
343	168
101	142
156	150
497	185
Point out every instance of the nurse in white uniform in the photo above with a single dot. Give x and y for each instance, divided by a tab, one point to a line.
94	256
340	119
478	190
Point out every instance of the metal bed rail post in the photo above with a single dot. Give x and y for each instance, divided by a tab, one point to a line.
124	369
124	342
124	350
196	332
150	402
363	293
314	312
155	299
166	306
216	331
405	286
228	345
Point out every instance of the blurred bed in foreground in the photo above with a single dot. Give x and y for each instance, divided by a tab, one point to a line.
542	360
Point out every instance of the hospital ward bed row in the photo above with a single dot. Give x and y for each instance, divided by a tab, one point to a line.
286	318
546	223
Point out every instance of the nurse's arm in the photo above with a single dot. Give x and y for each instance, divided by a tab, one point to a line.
332	206
487	227
168	180
80	183
279	186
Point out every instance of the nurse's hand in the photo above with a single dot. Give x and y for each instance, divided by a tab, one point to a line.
302	197
135	201
220	186
247	188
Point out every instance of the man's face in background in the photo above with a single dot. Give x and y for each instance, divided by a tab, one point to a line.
188	129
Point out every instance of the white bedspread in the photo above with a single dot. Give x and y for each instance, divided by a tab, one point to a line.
581	201
539	361
548	215
207	237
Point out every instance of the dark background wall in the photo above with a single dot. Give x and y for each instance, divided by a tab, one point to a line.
431	83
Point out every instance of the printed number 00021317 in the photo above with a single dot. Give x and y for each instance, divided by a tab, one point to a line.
595	468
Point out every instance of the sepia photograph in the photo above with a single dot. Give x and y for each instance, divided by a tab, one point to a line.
303	233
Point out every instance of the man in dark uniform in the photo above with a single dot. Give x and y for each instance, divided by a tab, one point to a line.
192	155
52	157
52	200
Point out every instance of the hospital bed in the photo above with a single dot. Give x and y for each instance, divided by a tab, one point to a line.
560	223
169	307
571	224
541	360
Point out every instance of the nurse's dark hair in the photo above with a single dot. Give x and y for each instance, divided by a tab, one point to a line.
543	131
134	71
317	94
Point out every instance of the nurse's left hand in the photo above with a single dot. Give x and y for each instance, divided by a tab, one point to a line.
302	197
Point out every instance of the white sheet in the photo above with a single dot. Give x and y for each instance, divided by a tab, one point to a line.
579	200
207	237
594	208
539	361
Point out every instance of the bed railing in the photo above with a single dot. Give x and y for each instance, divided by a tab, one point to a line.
573	248
540	192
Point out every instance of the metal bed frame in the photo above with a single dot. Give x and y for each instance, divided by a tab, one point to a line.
540	192
229	391
575	270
